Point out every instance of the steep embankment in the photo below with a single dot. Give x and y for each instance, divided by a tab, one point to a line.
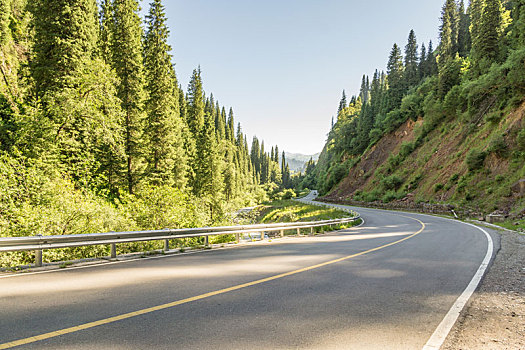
473	165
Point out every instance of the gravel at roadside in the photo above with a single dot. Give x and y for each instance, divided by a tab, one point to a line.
494	318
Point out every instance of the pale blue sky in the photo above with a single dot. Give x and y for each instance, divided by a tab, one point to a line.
282	65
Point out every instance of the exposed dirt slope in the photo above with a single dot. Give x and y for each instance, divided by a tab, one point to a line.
437	170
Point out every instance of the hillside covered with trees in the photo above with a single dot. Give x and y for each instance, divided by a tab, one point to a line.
96	134
442	124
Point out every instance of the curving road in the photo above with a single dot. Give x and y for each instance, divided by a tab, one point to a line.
385	285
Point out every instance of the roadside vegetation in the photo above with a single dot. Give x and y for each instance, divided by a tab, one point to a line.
292	211
444	124
98	135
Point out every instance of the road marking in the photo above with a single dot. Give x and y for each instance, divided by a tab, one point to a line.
440	334
105	321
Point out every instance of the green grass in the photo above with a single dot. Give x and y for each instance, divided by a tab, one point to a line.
291	211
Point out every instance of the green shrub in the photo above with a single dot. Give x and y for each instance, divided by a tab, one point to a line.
406	149
520	140
475	159
438	187
391	182
498	146
388	197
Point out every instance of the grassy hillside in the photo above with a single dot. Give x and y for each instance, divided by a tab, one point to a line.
445	125
476	166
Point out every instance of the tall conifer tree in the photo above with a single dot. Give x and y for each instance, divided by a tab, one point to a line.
464	42
395	78
196	103
165	153
448	31
411	61
126	48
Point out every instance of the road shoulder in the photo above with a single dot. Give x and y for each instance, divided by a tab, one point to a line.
495	315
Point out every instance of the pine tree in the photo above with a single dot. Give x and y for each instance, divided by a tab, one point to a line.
475	12
255	156
77	92
365	89
105	36
431	60
220	126
230	127
342	104
5	14
126	48
208	173
519	23
411	61
65	40
491	30
165	153
395	78
448	31
464	42
196	103
423	70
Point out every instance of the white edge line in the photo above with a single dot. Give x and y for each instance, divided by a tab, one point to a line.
440	334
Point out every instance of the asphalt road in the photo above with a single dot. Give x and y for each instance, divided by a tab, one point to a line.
384	285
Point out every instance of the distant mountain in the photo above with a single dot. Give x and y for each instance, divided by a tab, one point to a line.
297	161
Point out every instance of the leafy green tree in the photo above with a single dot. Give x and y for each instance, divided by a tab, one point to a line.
165	147
127	60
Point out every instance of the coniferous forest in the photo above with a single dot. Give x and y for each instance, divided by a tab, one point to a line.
444	123
97	135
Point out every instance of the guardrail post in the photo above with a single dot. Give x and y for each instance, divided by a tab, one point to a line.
298	231
166	245
282	233
237	237
113	250
38	258
311	231
206	241
262	235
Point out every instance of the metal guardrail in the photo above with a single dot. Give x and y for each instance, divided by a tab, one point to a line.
39	243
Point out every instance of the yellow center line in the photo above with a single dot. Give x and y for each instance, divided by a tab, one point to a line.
105	321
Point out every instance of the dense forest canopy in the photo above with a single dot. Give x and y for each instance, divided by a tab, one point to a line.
96	133
476	71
